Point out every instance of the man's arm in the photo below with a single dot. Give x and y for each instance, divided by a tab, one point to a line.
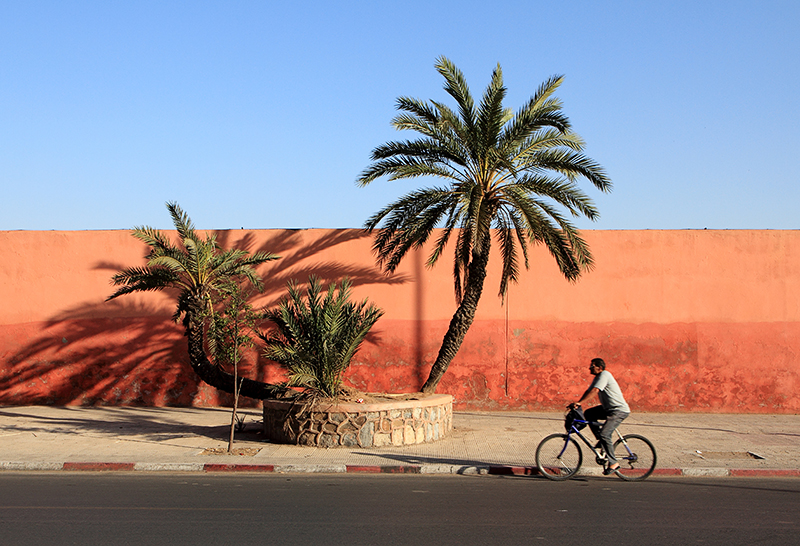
585	396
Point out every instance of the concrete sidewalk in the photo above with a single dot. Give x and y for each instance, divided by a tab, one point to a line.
191	439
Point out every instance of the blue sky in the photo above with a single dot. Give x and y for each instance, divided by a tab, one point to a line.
262	114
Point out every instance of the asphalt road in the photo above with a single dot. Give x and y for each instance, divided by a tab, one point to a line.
108	509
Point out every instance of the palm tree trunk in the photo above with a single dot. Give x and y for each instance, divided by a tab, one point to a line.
463	317
215	375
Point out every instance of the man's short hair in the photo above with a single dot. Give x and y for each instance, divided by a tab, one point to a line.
599	362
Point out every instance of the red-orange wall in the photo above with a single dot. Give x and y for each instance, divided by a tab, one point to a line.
686	320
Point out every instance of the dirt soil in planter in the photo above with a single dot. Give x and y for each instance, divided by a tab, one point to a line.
350	394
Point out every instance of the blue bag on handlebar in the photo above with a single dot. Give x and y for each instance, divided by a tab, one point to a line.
572	415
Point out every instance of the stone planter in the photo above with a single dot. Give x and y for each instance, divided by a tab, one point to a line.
393	422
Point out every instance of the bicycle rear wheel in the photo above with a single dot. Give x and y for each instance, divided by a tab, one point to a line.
558	457
636	457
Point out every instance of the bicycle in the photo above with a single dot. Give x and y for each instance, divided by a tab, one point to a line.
559	456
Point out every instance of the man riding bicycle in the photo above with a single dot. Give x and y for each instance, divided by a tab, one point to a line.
613	409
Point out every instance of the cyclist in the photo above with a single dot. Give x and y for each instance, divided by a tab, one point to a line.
613	409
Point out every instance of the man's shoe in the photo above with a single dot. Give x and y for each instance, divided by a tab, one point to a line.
610	470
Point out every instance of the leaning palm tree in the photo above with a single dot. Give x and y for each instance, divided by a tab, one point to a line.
507	175
199	269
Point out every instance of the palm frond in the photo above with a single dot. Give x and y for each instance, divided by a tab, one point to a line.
155	239
183	224
572	165
456	86
142	279
318	334
560	191
508	251
491	114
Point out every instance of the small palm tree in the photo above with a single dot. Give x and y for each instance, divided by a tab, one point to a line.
200	270
507	174
317	335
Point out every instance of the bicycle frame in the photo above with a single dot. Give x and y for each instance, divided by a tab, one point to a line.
574	429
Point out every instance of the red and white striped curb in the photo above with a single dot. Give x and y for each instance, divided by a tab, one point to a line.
366	469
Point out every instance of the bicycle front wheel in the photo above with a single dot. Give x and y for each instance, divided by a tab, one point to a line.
558	457
636	457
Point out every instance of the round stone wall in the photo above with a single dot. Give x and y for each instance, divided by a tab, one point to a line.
394	422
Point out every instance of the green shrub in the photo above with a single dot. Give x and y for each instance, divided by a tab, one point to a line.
317	335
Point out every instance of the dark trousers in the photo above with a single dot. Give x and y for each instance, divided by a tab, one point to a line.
604	432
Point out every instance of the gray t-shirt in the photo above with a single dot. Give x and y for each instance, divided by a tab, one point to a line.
610	394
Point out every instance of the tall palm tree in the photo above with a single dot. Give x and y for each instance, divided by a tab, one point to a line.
506	174
199	269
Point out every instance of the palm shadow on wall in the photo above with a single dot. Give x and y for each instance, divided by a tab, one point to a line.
126	353
293	265
101	354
